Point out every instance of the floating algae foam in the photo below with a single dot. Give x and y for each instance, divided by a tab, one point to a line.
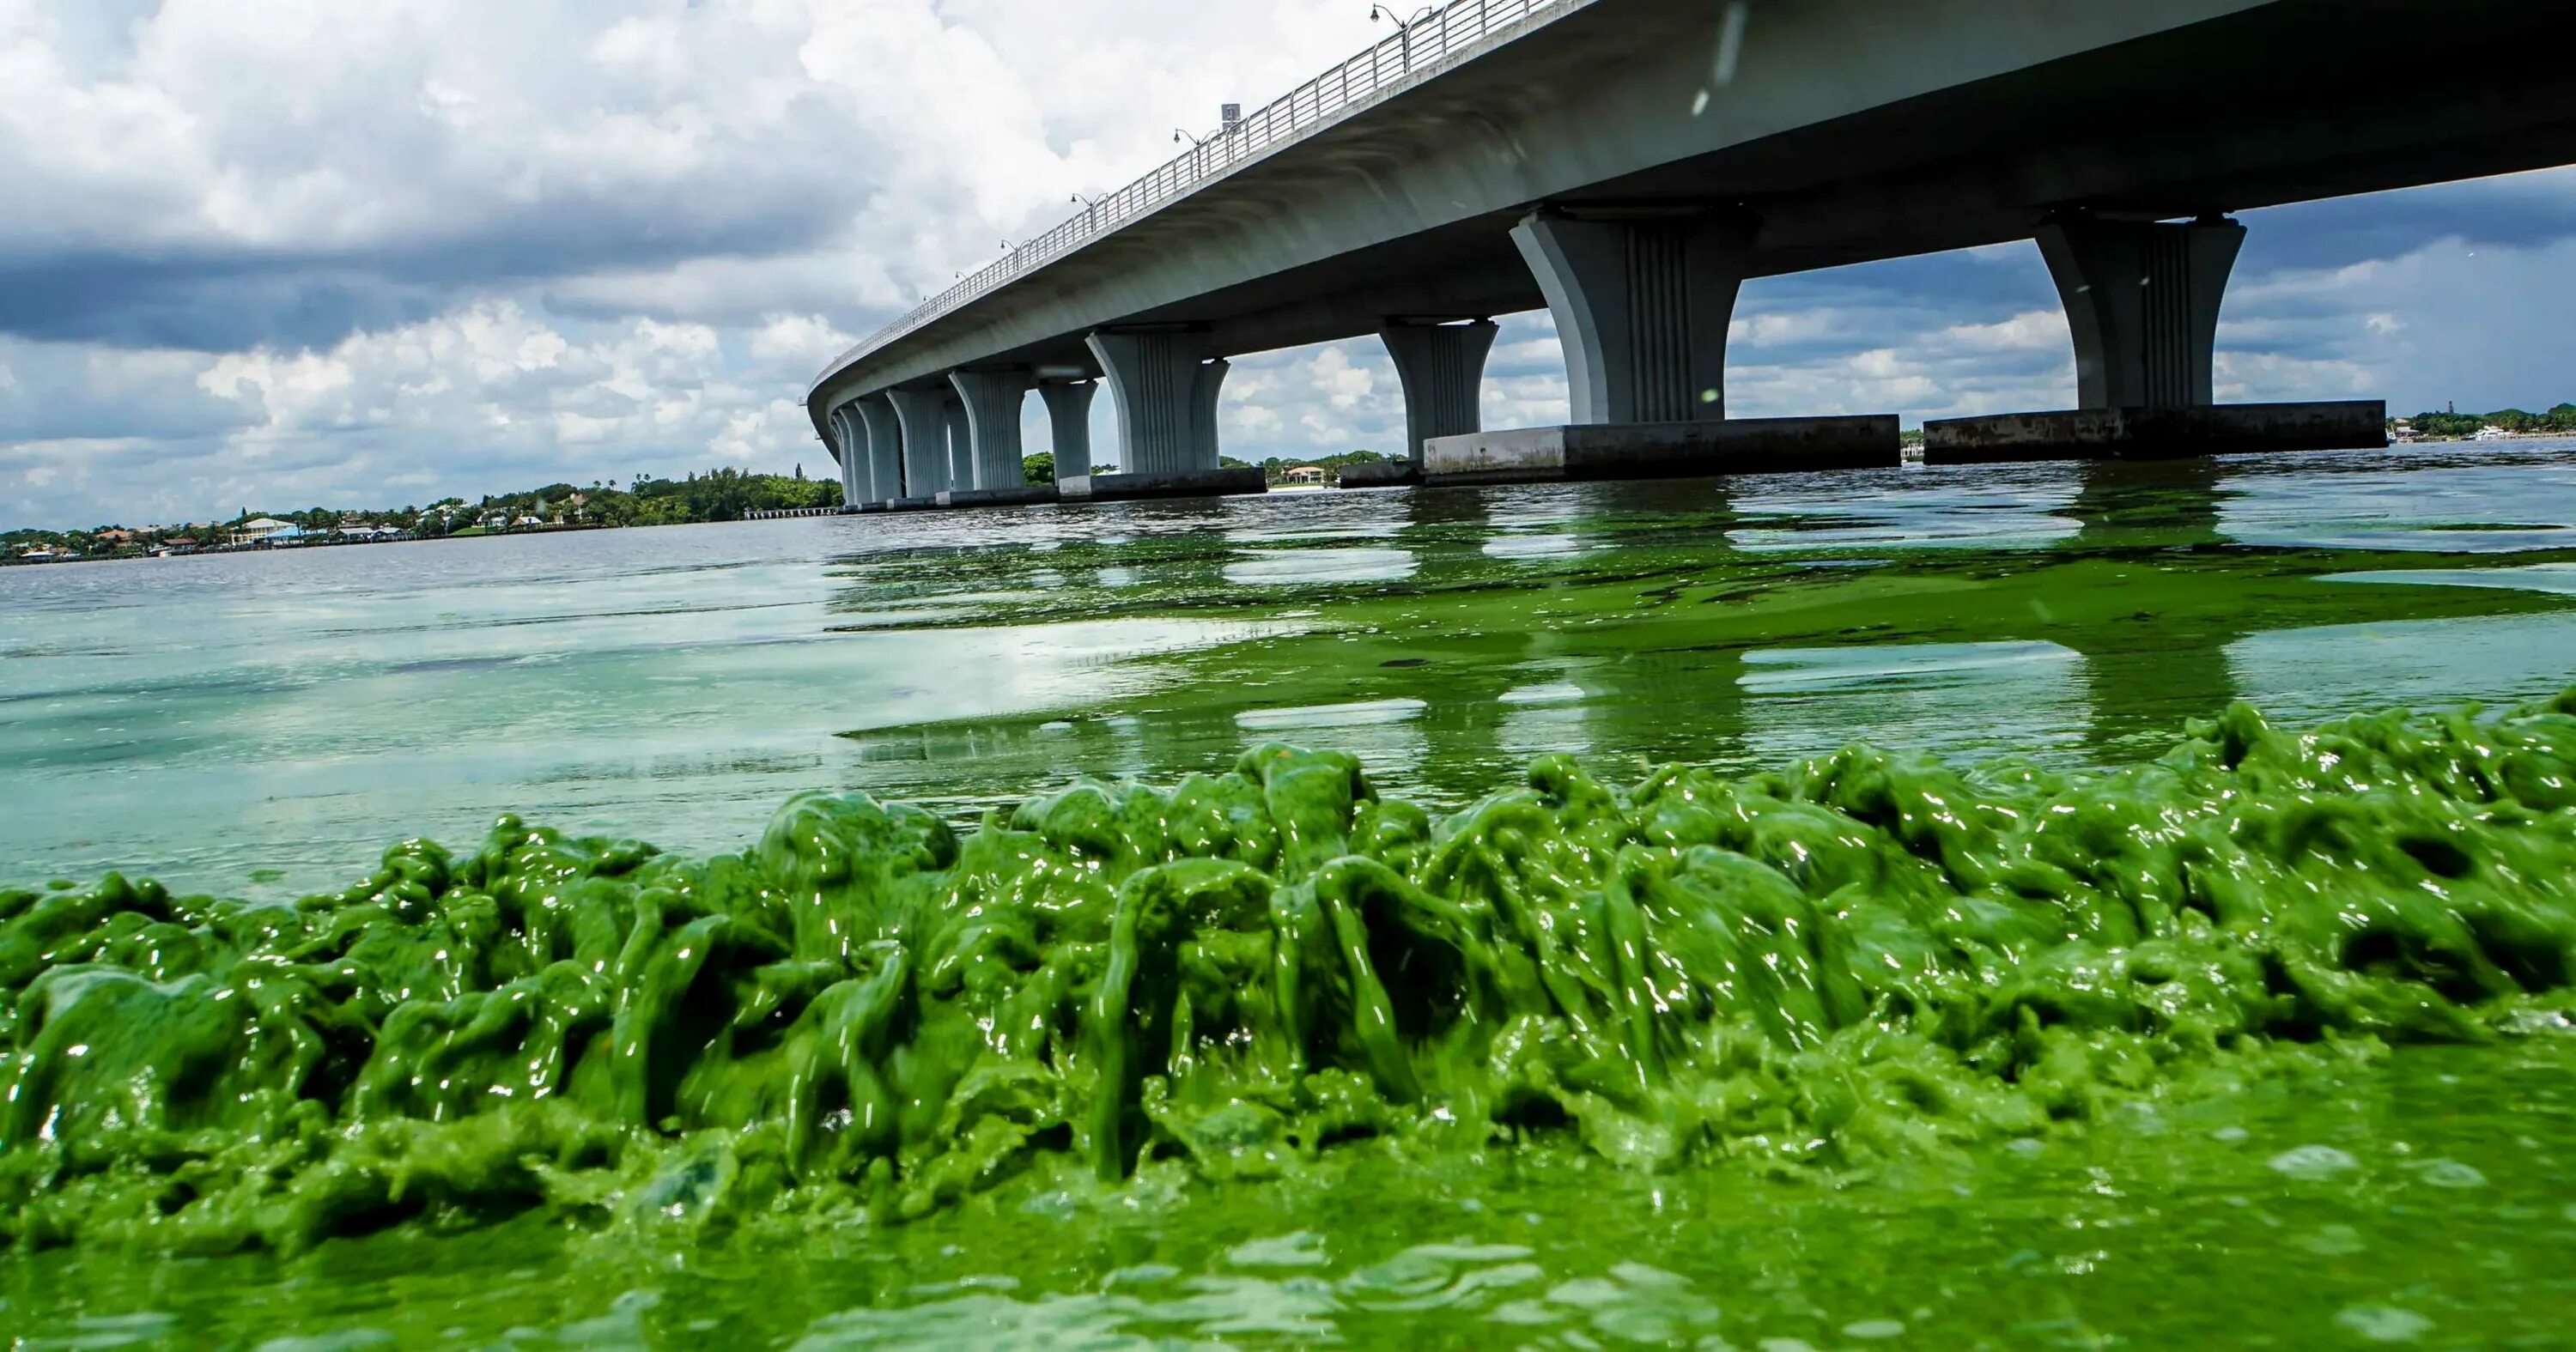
867	1016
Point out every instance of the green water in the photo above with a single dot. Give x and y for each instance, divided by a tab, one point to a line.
2073	617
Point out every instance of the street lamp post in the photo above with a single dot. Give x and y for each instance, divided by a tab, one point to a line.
1403	27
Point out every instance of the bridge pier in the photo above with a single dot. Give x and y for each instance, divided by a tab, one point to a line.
2142	298
1641	306
2142	301
923	417
1068	405
992	400
1166	391
1642	303
884	439
1442	369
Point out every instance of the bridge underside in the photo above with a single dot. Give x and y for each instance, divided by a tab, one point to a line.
2287	102
1852	131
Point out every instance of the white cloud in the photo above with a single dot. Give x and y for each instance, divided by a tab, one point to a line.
796	338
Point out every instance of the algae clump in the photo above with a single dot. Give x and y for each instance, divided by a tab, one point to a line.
1867	956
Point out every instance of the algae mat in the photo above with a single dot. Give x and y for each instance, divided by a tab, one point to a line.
1264	991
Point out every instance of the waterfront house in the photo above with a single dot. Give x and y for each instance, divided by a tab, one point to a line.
266	530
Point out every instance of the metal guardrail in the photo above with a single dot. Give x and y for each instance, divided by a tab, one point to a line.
1429	42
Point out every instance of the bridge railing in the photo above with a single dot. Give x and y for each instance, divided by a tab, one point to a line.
1433	40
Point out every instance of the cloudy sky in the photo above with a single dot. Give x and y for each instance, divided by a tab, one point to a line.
316	252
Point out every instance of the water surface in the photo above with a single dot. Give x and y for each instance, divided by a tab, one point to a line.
262	724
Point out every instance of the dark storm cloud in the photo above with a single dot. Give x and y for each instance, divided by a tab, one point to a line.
2522	211
225	299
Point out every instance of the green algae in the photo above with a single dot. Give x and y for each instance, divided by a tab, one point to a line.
869	1016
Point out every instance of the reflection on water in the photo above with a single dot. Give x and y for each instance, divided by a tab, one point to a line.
1987	507
1963	701
204	718
1262	567
2481	499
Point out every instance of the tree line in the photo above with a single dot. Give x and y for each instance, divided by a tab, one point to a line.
723	494
2451	423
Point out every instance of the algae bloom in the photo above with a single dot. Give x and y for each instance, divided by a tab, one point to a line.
867	1015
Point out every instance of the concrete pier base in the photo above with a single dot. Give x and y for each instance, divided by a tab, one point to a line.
911	504
1200	483
998	497
1662	450
2157	433
1382	474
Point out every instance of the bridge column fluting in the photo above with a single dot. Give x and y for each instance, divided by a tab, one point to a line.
846	449
836	437
959	440
1442	369
1641	306
1166	390
923	416
881	433
2142	299
993	400
1068	404
1204	389
858	478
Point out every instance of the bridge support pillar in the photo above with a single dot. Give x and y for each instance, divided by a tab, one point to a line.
2142	298
923	417
881	434
1641	306
1442	369
992	400
1166	393
1069	416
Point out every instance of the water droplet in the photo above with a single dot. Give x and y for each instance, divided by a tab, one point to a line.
2230	1134
2313	1162
1875	1328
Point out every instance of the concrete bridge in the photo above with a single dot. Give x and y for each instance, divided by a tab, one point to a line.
1627	164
